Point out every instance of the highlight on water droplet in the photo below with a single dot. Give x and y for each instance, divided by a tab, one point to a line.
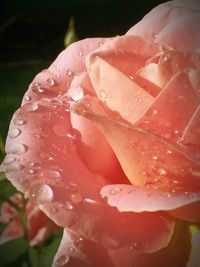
14	132
27	98
69	72
19	121
9	160
102	94
62	260
76	93
37	88
16	149
31	107
51	82
76	197
41	193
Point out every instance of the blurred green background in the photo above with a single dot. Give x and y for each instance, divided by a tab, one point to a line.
32	35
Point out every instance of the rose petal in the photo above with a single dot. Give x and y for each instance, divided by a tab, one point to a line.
140	199
56	80
117	90
80	252
165	114
177	22
92	142
191	135
177	252
147	158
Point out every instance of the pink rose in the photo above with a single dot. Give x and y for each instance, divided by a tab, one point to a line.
106	142
39	226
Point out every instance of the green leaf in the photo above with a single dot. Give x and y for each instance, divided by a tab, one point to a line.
12	250
34	257
70	36
6	190
2	146
49	248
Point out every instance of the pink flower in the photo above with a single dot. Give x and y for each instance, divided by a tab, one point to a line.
39	226
106	141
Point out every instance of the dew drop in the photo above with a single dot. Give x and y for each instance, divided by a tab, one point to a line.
17	149
31	171
14	132
169	195
8	160
71	136
100	44
80	54
61	261
102	94
155	157
31	107
36	88
19	121
77	198
68	205
161	171
27	98
76	93
69	72
41	193
169	151
51	82
155	111
131	77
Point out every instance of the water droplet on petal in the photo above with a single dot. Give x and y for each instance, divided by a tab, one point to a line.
161	171
169	151
8	160
51	82
155	111
19	121
31	107
131	77
14	132
80	54
27	98
31	171
41	193
76	93
102	94
17	149
77	198
36	88
69	72
61	261
68	205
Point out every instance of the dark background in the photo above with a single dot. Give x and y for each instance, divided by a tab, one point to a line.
32	35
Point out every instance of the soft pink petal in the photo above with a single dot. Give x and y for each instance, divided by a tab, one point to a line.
147	158
191	136
57	78
173	24
165	115
78	251
119	92
140	199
